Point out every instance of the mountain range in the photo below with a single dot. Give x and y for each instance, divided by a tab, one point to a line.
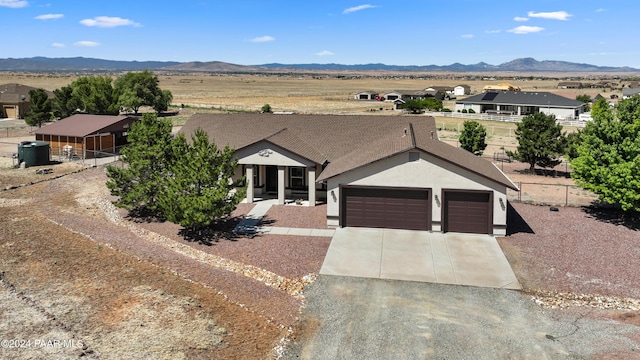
91	64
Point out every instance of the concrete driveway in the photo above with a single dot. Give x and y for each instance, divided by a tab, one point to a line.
450	258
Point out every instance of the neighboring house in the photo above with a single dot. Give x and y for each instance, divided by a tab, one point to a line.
604	84
413	95
372	171
634	84
84	135
462	90
15	101
367	95
629	92
596	98
522	103
570	85
500	87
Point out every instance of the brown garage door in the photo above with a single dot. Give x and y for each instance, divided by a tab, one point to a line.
386	208
467	212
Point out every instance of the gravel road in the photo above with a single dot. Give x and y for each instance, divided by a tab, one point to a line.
355	318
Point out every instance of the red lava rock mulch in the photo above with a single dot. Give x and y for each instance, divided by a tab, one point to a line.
296	216
580	250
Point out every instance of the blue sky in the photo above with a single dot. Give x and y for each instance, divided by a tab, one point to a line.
408	32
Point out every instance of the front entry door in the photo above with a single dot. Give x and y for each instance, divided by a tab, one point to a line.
271	178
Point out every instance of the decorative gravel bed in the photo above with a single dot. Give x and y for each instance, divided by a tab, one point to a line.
578	250
297	216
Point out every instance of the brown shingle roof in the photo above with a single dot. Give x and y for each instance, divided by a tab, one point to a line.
14	93
345	141
80	125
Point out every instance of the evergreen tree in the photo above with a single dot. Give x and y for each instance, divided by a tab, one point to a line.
608	156
199	189
40	111
139	183
473	137
540	141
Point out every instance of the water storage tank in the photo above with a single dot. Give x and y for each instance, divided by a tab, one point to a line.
33	153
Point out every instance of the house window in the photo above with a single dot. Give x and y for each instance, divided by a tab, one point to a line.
296	177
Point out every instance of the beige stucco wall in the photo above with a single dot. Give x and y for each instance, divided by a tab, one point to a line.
428	172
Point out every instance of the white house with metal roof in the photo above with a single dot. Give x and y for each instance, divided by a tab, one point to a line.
522	103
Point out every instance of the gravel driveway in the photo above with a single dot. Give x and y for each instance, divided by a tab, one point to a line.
355	318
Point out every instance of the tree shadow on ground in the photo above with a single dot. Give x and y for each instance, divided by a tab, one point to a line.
222	229
545	172
613	215
144	215
516	223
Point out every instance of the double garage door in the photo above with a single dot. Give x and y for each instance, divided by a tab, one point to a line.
466	212
386	208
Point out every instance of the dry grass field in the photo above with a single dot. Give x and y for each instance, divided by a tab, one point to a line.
325	93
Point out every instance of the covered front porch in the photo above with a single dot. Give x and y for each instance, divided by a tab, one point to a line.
286	184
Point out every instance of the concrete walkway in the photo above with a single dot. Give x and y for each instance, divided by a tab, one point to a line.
251	224
461	259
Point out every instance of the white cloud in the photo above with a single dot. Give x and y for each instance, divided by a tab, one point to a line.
13	3
49	17
519	18
525	29
57	45
467	36
325	53
358	8
492	31
601	10
108	22
87	43
555	15
262	39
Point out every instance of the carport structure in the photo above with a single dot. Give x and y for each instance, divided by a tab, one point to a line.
86	135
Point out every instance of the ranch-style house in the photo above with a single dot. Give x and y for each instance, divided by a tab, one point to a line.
372	171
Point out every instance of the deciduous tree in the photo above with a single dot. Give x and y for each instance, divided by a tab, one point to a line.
136	89
540	141
95	95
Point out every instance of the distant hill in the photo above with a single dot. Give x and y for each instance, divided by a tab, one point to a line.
79	64
90	64
520	65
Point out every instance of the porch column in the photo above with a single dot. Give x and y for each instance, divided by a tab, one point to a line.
281	185
249	179
312	185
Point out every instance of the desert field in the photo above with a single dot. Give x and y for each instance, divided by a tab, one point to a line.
310	93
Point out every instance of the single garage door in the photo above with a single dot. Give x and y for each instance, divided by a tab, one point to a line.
467	212
386	208
10	111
